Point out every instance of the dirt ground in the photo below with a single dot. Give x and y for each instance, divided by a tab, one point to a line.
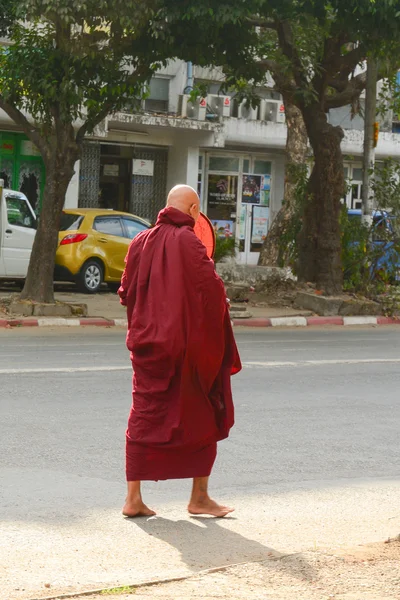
370	572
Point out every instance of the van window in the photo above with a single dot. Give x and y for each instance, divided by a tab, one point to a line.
18	213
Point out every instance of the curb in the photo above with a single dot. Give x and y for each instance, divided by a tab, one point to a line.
259	322
315	321
60	322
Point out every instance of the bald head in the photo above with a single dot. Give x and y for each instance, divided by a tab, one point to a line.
185	199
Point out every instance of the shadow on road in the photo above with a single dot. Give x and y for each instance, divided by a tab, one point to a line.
205	543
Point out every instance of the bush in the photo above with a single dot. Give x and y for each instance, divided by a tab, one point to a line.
224	248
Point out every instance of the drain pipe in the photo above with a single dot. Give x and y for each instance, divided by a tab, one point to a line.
189	78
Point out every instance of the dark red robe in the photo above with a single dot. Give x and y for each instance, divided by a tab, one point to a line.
183	353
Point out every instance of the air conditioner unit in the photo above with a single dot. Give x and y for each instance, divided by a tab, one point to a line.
243	110
272	110
219	105
192	110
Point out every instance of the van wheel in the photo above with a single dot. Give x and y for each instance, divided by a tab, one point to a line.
91	277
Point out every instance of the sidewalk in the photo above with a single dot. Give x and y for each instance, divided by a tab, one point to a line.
324	541
105	310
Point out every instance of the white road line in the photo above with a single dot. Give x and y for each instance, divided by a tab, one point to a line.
63	370
316	363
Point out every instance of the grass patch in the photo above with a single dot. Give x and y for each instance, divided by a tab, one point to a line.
127	589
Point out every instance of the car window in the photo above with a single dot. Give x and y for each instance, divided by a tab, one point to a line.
108	225
70	222
133	227
18	213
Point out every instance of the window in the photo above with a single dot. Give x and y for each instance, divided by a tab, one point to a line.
70	222
246	166
132	227
109	226
262	167
158	100
18	213
224	164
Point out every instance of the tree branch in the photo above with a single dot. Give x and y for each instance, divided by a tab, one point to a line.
348	95
261	22
28	128
287	45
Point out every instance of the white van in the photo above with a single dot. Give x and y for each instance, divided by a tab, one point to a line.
17	232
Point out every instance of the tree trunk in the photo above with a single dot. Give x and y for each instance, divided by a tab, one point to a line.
59	163
273	251
319	239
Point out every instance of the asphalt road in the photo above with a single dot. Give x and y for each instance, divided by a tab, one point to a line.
316	443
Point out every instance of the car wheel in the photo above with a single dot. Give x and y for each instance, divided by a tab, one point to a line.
91	277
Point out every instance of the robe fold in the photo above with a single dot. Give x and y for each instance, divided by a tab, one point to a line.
183	353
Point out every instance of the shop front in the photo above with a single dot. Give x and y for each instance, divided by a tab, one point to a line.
236	194
22	167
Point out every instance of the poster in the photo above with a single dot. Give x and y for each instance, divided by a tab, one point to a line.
242	222
223	229
265	190
259	228
222	197
222	189
251	192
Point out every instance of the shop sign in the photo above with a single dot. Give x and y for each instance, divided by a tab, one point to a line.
259	228
111	170
29	149
143	167
7	147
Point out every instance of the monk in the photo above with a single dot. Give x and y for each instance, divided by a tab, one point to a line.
183	355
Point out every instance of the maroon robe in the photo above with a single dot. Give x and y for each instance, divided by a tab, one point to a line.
183	353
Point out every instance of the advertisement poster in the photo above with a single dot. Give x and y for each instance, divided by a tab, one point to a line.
242	222
251	192
260	224
223	229
265	189
143	167
222	197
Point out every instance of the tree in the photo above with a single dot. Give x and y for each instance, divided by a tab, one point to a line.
313	50
273	252
68	66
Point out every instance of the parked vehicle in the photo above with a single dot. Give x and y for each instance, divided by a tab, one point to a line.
17	232
385	242
93	245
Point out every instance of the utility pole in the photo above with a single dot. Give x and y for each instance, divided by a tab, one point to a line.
371	130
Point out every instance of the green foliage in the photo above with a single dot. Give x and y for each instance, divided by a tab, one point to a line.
224	248
288	243
365	246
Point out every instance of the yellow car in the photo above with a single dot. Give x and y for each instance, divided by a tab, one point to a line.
92	246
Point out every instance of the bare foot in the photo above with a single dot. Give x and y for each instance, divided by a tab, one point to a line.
137	509
209	507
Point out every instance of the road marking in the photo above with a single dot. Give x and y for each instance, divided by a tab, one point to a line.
63	370
316	363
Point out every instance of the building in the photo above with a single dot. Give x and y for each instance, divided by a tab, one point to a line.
232	153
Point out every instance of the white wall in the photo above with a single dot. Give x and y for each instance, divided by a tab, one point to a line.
183	166
71	198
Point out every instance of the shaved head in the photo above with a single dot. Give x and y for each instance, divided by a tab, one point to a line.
185	199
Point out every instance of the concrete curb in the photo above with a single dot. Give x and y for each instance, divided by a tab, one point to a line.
315	321
258	322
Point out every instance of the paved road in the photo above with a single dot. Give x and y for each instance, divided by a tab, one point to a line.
313	460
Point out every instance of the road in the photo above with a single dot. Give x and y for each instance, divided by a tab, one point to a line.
314	458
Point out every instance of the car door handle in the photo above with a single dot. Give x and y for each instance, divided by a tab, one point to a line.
103	240
8	231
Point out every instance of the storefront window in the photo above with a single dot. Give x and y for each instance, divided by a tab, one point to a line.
262	167
224	164
246	165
